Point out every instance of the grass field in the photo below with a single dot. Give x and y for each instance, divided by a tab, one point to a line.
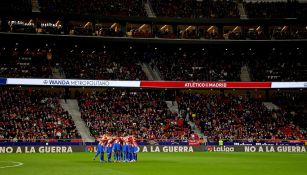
203	163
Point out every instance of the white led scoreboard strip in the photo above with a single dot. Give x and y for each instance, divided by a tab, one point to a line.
150	84
71	82
289	85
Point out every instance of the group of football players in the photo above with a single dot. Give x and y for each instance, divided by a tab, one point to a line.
124	149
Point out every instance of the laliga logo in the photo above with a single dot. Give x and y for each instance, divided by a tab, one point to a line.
209	148
89	149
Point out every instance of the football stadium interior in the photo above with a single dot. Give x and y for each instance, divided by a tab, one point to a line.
153	87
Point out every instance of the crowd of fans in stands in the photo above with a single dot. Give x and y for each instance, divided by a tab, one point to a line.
16	6
162	8
278	65
202	65
33	115
104	65
36	115
94	7
171	63
195	9
236	117
24	63
289	9
293	105
143	114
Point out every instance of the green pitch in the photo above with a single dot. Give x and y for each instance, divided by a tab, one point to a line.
204	163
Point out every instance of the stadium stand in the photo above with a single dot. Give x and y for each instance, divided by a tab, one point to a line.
17	6
24	63
198	65
288	9
94	7
107	64
195	9
293	106
188	41
172	63
32	115
141	113
279	65
235	117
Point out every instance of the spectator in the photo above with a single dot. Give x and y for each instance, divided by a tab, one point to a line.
34	115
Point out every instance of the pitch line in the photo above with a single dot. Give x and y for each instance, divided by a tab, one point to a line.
11	166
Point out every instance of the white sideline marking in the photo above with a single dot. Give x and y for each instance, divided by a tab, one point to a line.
11	166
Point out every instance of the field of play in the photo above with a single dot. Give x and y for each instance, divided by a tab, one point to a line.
207	163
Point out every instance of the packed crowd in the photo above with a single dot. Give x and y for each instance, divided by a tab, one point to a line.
202	65
279	65
16	6
195	9
143	114
289	9
104	65
24	63
293	105
94	7
171	63
236	117
33	115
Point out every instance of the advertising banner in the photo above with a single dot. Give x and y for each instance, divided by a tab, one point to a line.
150	84
155	148
41	149
290	149
72	82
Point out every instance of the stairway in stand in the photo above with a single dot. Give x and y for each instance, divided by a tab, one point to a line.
35	6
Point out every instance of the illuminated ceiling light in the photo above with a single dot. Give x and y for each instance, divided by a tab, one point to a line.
258	28
113	25
188	28
57	23
163	27
283	28
211	27
30	22
235	28
88	23
142	26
